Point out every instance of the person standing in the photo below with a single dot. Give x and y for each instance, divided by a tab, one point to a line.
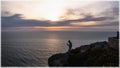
69	44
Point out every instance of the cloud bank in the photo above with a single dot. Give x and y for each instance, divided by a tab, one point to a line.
107	18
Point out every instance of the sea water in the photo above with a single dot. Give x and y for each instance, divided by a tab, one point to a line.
33	48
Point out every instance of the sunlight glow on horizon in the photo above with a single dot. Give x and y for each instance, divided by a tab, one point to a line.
57	15
49	28
84	23
48	10
43	9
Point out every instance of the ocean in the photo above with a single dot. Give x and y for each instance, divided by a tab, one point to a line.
33	48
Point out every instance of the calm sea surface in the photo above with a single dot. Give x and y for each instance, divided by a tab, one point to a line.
33	48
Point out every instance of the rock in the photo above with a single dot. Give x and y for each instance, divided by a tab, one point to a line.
113	42
97	57
58	60
95	54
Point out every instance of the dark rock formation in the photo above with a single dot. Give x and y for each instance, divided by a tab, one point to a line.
60	59
95	54
95	57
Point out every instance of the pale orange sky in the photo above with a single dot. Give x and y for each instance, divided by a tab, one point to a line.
60	14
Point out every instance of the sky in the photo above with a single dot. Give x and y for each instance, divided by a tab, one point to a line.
60	15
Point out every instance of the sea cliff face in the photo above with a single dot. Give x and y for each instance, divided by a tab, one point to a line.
95	54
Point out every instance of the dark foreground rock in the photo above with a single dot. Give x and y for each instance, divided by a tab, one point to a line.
95	54
58	60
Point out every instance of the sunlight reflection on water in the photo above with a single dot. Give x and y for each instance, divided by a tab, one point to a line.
34	48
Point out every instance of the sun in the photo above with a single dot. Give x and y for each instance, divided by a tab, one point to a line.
53	9
47	10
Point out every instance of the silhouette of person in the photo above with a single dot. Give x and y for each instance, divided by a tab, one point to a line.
69	44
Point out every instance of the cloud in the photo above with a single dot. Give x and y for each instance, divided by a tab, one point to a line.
16	20
108	16
110	12
86	19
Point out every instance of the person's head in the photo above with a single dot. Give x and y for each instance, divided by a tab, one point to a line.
68	40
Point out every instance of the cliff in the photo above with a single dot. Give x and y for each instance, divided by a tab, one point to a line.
95	54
